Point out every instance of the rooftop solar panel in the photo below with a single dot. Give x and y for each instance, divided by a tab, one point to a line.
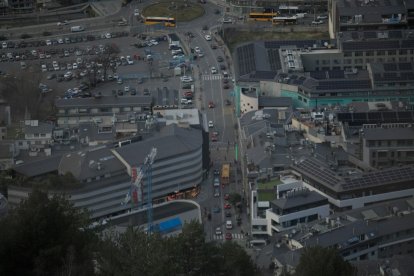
408	43
319	75
370	45
336	74
355	35
369	35
395	34
389	116
390	67
405	66
359	116
375	116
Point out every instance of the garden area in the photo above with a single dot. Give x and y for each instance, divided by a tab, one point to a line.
181	10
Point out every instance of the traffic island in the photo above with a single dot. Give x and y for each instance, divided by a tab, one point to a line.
181	10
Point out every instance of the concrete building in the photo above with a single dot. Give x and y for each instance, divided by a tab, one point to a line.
387	145
100	110
366	15
104	172
355	190
297	207
357	67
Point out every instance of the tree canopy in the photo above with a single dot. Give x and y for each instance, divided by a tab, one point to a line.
45	236
323	262
136	253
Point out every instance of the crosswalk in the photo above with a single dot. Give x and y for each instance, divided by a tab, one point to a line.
234	236
212	77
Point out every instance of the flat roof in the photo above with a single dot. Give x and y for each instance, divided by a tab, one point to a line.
299	198
393	133
317	170
104	101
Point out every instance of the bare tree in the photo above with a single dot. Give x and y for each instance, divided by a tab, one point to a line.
21	90
103	62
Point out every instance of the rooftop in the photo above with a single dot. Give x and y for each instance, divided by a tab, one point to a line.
392	133
39	167
104	101
317	170
182	139
34	126
299	198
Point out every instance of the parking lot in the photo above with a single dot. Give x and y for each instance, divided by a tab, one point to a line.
69	63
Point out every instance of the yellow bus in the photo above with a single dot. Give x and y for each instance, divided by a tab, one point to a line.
262	16
284	20
225	174
167	21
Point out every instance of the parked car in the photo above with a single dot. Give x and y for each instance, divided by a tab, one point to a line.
229	236
220	59
207	37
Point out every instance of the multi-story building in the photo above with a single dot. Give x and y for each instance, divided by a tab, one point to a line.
358	67
100	110
296	207
374	232
354	15
352	190
104	172
387	145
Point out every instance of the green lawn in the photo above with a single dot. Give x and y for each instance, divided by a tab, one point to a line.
269	185
265	195
181	10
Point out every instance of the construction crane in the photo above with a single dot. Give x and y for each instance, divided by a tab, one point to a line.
136	181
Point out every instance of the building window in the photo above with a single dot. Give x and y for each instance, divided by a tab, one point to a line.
392	52
380	53
359	54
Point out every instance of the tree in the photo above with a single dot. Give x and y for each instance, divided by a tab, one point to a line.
235	198
104	61
323	261
136	253
45	236
21	91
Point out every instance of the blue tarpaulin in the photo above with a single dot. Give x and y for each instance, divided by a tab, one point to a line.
169	225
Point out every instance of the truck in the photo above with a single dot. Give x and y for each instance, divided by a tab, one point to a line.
77	29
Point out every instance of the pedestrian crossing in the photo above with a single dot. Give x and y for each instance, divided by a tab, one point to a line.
234	237
212	77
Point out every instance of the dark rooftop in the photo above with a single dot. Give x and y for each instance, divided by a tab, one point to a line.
395	133
299	198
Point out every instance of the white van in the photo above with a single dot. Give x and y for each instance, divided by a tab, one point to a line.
229	225
76	29
23	65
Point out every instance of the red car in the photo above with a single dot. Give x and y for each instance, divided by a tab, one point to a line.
227	206
229	236
210	105
226	196
213	138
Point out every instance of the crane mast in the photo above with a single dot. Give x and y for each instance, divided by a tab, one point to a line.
136	182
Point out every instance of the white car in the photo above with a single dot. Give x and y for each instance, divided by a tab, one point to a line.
197	49
200	54
136	12
48	42
126	89
108	35
210	124
186	79
218	231
322	17
213	70
207	37
4	45
154	42
317	22
60	41
178	56
129	60
75	66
